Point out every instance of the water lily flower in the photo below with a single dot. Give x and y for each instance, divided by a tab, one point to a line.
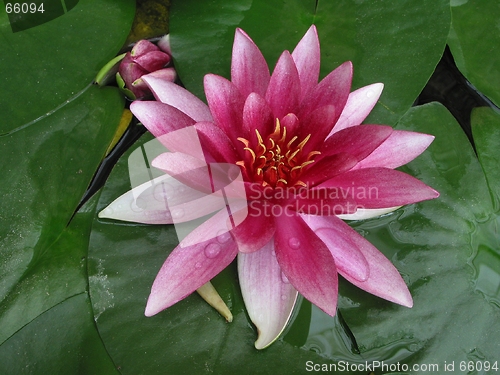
307	163
145	58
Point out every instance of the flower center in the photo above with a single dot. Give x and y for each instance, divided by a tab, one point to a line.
276	161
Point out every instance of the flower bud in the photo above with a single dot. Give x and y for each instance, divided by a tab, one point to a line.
144	58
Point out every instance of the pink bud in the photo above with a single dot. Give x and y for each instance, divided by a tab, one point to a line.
145	58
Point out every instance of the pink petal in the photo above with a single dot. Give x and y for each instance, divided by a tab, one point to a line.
383	279
306	261
256	116
216	143
400	148
317	124
249	70
165	74
283	92
143	46
307	59
226	105
187	169
130	71
227	177
139	84
358	141
159	118
337	237
381	187
255	231
139	89
178	97
164	44
358	106
153	60
291	123
184	140
326	168
189	267
332	90
269	297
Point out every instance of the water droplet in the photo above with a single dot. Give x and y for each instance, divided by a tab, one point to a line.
294	243
413	348
369	94
138	205
163	191
197	265
284	278
223	236
284	297
212	250
177	213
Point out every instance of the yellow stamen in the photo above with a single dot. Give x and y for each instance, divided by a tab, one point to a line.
251	153
289	144
301	144
274	160
243	140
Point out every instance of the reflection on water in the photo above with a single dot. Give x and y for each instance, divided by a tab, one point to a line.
332	339
328	337
486	261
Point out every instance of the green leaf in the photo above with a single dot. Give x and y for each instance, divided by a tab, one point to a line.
62	340
47	65
47	324
55	129
59	273
475	44
437	245
46	169
486	131
397	44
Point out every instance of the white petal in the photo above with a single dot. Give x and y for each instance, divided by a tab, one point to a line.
269	297
367	213
149	202
358	106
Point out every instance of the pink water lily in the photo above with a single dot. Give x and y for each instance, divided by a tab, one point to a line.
307	163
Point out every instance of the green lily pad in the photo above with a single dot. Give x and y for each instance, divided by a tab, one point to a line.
436	245
63	340
486	131
49	309
438	248
475	43
45	66
46	169
399	45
